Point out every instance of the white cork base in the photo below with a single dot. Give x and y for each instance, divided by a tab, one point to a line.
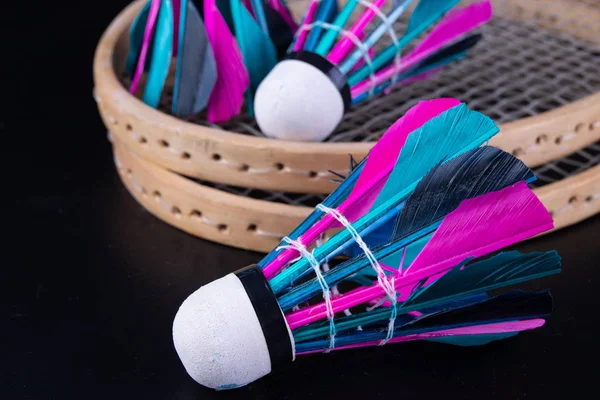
297	101
218	336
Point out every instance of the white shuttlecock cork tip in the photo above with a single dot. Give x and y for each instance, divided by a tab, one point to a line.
232	332
301	101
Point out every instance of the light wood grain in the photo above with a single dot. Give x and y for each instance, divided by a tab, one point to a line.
258	225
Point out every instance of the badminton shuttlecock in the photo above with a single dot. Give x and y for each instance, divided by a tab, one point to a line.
444	202
222	51
330	68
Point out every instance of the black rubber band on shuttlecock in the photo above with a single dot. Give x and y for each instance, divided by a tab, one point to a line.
269	314
331	71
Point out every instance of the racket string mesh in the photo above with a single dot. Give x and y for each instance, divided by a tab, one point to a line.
516	71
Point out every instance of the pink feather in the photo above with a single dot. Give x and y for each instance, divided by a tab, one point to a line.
500	219
227	97
308	19
477	227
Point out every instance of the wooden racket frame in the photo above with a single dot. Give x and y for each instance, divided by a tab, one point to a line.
154	149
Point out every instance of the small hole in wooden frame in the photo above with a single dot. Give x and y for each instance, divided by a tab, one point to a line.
195	214
176	211
541	139
156	194
313	174
579	128
252	228
216	157
244	167
558	140
163	143
142	140
185	155
589	199
222	227
572	199
517	152
279	166
128	127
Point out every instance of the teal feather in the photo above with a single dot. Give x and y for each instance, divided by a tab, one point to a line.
453	132
473	340
504	269
136	38
426	13
260	55
161	56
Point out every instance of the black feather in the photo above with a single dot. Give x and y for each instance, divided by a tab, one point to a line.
482	170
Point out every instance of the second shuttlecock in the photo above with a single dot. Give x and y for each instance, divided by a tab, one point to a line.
330	68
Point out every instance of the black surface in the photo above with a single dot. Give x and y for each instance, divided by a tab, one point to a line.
91	281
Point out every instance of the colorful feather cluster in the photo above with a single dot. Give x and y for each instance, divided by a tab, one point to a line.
422	218
363	52
222	48
447	42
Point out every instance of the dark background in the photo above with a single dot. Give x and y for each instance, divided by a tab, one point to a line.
91	281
